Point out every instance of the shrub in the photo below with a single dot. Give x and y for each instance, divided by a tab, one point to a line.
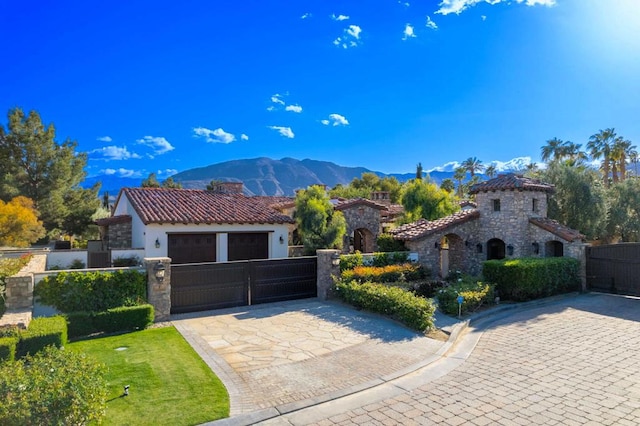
117	319
8	347
474	294
385	274
427	289
76	264
402	305
53	387
531	278
42	332
92	291
387	243
124	318
350	261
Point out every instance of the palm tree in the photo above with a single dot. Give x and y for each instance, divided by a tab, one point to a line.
573	151
472	165
491	171
634	158
599	146
459	174
620	151
553	150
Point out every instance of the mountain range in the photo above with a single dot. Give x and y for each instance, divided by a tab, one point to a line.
266	176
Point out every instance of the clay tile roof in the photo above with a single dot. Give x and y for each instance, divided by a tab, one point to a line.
511	181
423	227
168	205
557	228
106	221
346	204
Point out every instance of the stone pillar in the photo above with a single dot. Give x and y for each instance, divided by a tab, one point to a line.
159	288
19	292
327	271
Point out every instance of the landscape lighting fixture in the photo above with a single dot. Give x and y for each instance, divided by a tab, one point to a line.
335	259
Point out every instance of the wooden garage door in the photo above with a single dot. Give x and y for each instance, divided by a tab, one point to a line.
248	245
192	248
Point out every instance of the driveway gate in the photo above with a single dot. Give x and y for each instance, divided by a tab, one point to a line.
614	268
204	286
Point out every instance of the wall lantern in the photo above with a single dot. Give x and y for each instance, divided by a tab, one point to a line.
479	247
510	250
335	259
467	243
437	244
536	247
158	270
157	242
281	239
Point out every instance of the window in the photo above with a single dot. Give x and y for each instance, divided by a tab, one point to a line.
534	205
496	205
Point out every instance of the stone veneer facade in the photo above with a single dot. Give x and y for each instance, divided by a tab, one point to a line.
363	216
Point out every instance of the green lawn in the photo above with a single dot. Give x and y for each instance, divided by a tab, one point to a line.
169	382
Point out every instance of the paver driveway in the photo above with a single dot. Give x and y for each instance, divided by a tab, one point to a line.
575	361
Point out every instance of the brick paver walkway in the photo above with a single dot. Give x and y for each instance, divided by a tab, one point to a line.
575	362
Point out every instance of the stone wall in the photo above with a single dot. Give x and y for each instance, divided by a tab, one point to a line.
159	288
119	235
19	293
326	272
362	216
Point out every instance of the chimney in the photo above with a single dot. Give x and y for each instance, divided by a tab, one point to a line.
382	197
229	188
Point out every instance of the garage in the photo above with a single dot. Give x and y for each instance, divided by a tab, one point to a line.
248	245
192	248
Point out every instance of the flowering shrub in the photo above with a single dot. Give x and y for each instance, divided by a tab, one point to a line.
385	274
413	311
474	294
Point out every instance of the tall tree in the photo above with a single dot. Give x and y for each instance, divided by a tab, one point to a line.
151	181
553	150
491	171
37	167
599	146
624	211
419	171
448	185
319	225
170	183
621	150
458	175
472	165
422	199
579	200
367	183
19	224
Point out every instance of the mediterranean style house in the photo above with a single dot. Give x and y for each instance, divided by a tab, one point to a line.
191	225
509	220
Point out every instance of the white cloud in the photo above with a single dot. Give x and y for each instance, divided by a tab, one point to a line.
214	136
459	6
335	120
350	38
431	24
159	144
167	172
105	139
483	17
284	131
244	137
294	108
339	17
115	153
121	172
306	15
277	99
408	32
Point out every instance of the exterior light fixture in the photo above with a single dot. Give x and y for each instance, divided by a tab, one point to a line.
158	270
281	239
536	247
479	247
335	259
510	250
157	242
437	244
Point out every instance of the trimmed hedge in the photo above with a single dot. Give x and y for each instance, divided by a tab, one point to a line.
474	294
8	347
413	311
92	291
42	332
350	261
532	278
124	318
385	274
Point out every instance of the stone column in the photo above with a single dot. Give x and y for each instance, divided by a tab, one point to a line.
159	286
327	271
19	292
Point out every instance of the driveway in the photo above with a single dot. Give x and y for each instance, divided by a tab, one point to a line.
574	361
285	356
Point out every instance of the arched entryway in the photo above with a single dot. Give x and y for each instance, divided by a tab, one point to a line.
495	249
363	240
554	249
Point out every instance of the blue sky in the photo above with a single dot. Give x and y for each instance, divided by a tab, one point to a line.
165	86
